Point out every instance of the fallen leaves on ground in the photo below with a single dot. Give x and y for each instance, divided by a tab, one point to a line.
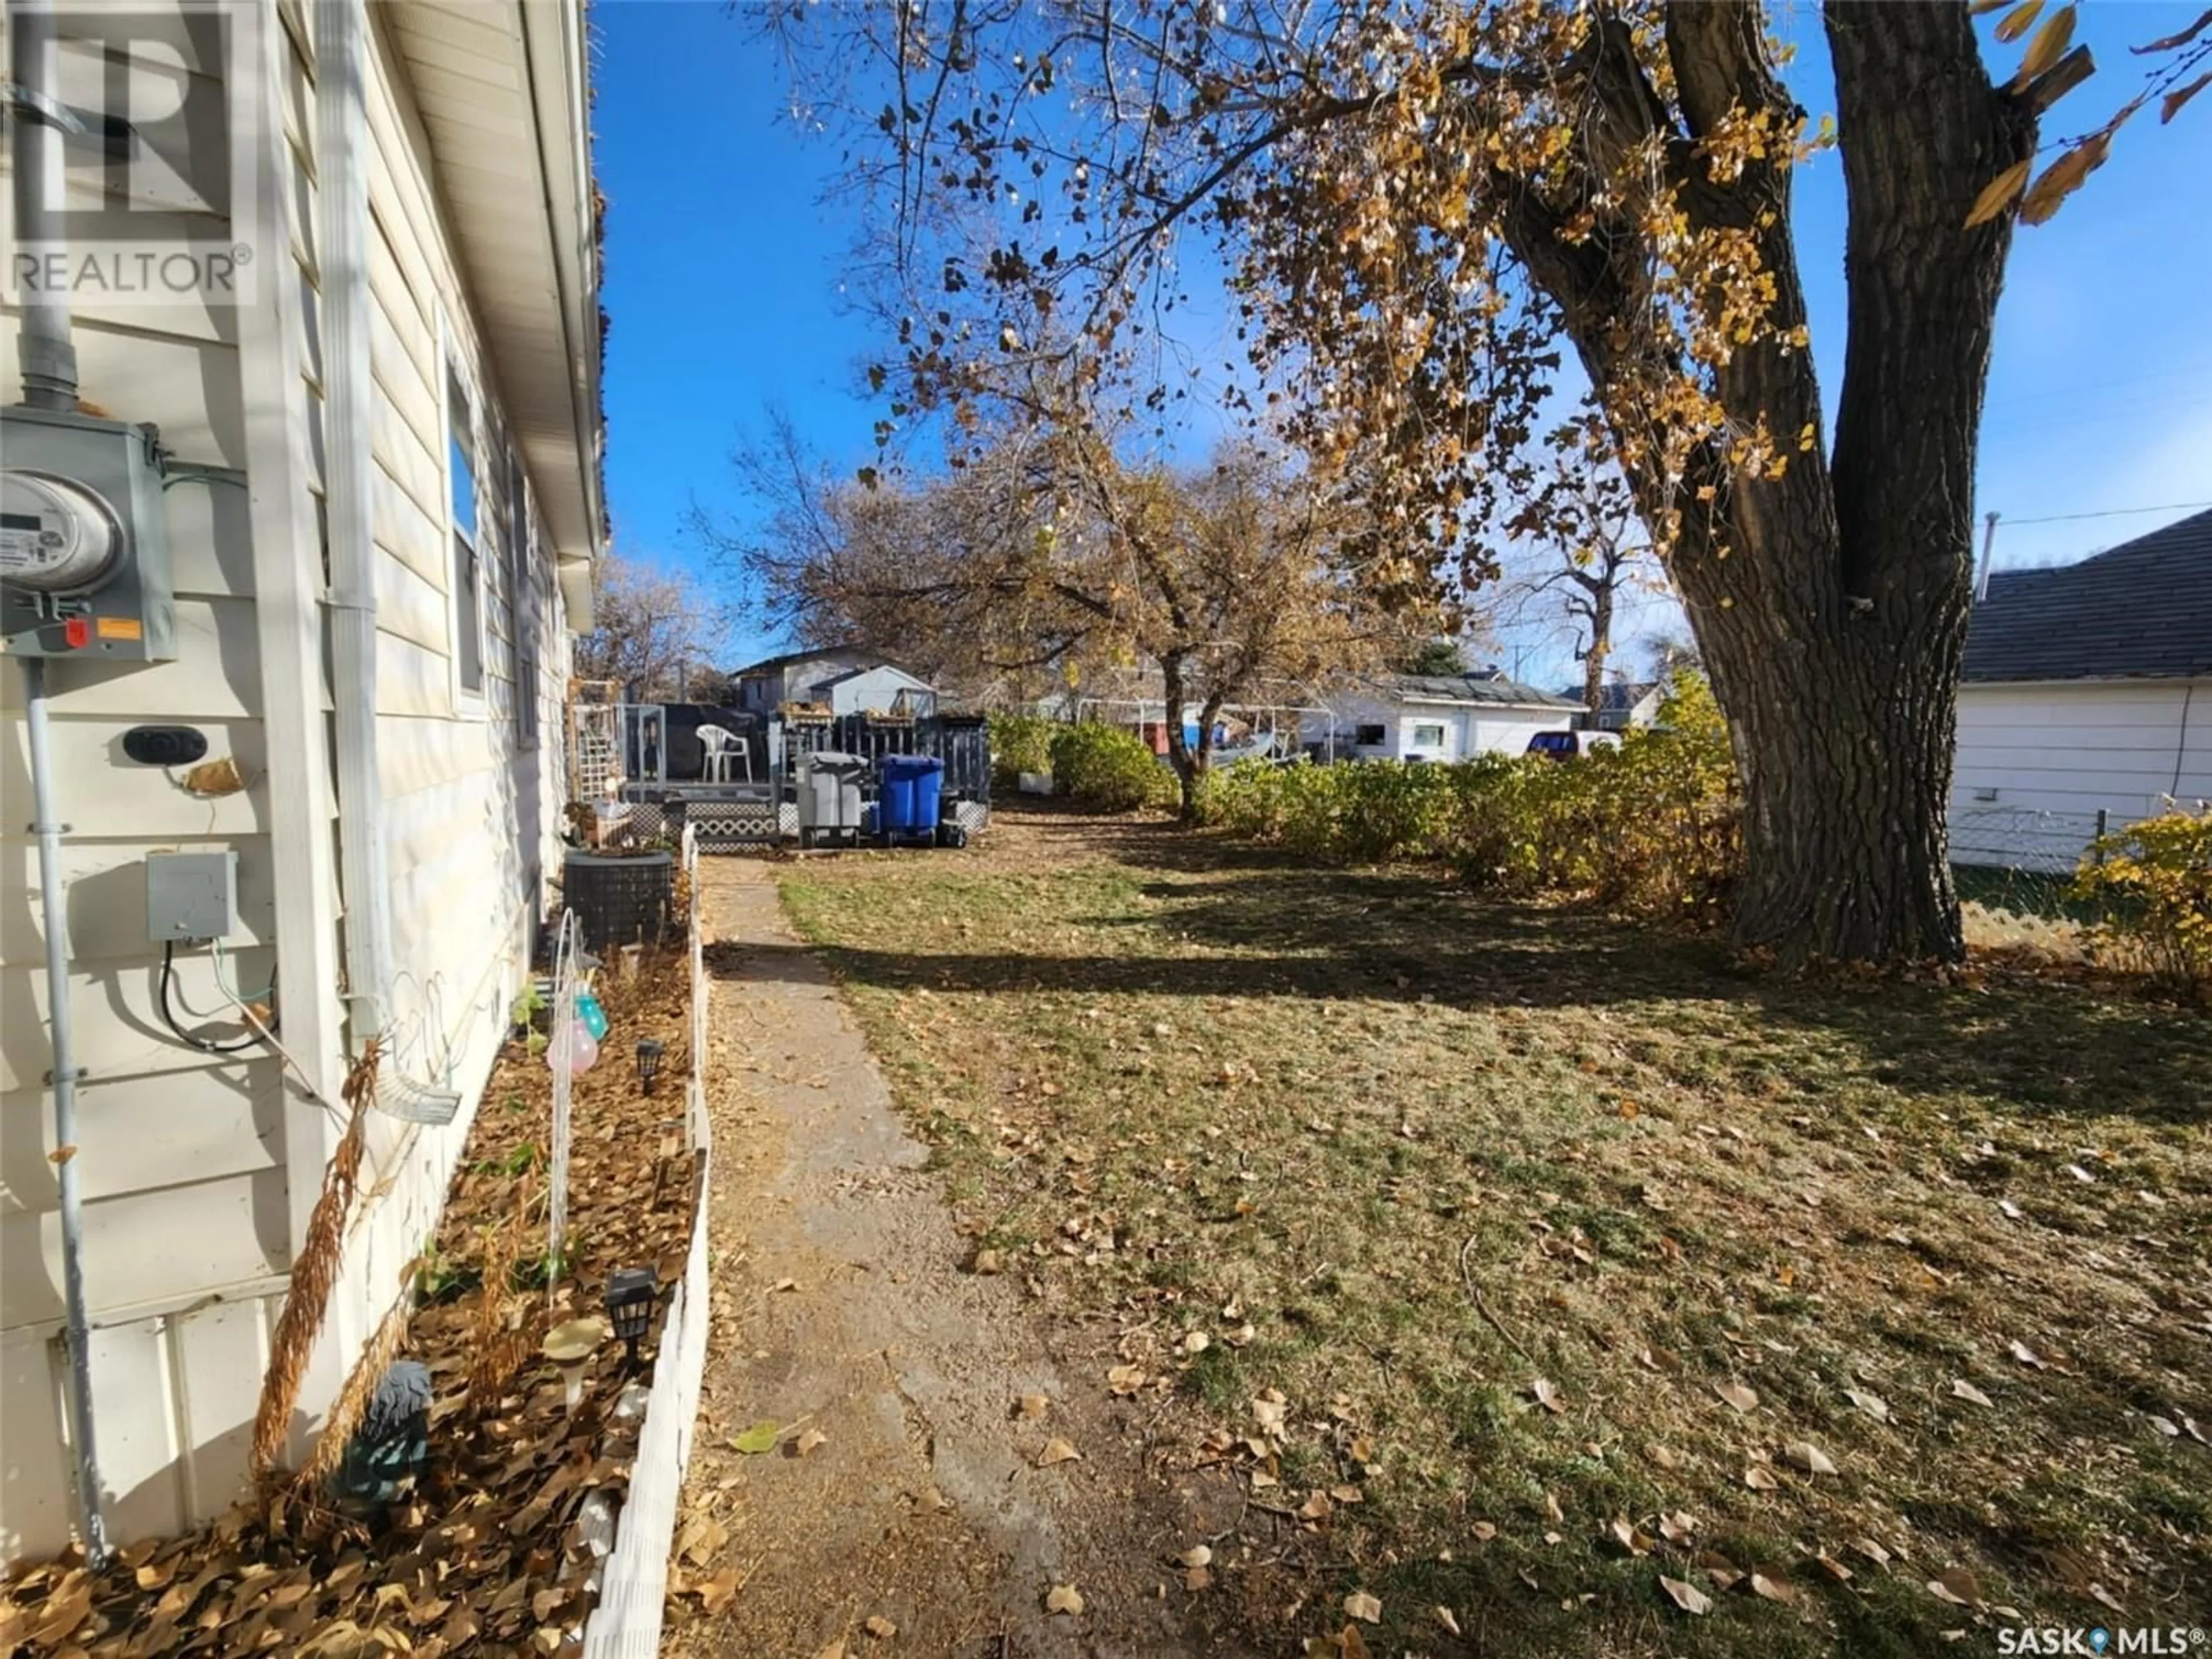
1362	1605
1872	1404
498	1561
1064	1598
1058	1450
1957	1586
1686	1595
1736	1394
1804	1455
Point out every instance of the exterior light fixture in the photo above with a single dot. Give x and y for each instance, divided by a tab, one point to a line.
570	1346
649	1051
632	1294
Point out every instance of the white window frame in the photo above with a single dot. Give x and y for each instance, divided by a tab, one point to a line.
468	703
526	638
1443	736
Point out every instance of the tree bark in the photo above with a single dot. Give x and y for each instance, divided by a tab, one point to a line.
1179	756
1831	603
1601	647
1190	764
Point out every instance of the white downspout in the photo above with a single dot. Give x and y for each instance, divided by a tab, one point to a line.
341	30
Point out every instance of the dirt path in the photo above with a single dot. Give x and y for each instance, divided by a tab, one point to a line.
843	1304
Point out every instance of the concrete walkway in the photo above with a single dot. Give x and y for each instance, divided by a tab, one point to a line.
842	1305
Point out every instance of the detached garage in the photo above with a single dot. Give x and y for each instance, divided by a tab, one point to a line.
1442	717
2087	698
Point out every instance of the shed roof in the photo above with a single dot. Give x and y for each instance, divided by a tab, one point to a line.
871	668
812	654
1616	696
2140	611
1487	688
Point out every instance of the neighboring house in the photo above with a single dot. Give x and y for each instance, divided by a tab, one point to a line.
2086	689
811	676
385	509
1442	717
1623	705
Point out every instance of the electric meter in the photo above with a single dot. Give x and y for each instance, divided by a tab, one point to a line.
84	553
56	536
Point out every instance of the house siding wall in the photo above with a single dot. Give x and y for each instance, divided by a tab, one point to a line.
879	688
2037	763
181	1153
192	1201
471	807
1468	731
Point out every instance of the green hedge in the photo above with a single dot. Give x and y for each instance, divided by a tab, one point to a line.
1019	744
1108	770
2155	879
1650	826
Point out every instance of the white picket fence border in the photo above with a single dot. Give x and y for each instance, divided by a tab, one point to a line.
634	1588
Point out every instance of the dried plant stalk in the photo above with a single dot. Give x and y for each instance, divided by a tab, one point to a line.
498	1350
314	1273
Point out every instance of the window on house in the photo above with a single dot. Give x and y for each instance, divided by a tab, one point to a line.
468	567
1371	737
1428	735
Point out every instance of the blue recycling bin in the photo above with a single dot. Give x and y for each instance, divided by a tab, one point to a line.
912	786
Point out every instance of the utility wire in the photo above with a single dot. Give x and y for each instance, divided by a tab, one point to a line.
2110	513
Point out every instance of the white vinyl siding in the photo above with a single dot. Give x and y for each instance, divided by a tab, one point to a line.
182	1154
1434	731
193	1174
2037	763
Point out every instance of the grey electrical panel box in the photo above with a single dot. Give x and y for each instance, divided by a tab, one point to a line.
84	553
191	895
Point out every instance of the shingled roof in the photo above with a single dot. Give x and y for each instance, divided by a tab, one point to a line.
1481	687
2140	611
1615	696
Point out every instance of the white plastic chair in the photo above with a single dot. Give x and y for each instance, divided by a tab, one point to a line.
725	756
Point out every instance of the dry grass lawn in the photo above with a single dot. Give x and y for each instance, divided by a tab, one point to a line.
1557	1256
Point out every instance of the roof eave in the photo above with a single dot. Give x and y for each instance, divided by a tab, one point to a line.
526	59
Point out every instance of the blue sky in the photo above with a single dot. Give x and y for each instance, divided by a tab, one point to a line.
723	283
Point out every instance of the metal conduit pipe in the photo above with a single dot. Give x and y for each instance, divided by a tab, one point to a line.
49	356
48	359
48	829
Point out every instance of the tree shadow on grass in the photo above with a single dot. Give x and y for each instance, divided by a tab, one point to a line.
1301	933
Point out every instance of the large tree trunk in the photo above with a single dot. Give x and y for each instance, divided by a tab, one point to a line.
1601	647
1179	750
1844	745
1190	763
1831	603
